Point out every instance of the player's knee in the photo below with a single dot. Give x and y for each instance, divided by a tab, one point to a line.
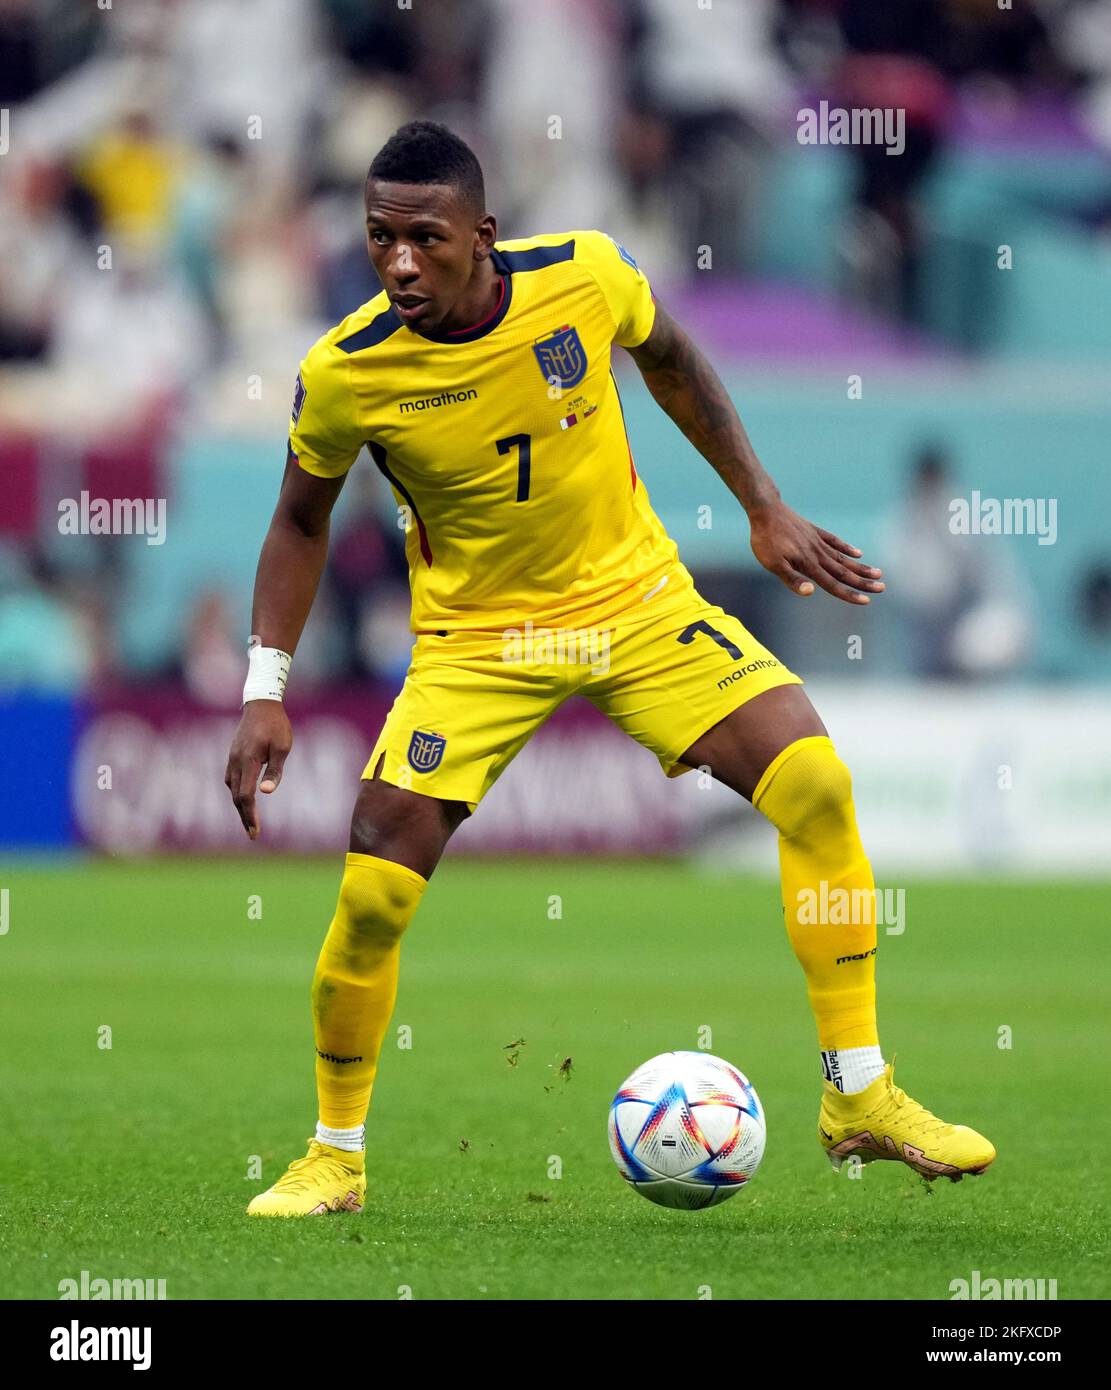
391	822
811	784
374	907
372	916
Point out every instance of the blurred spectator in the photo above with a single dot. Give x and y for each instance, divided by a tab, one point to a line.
20	67
551	106
138	323
213	661
922	58
205	211
213	652
1085	43
895	60
46	641
256	69
1094	602
347	278
963	598
434	51
38	245
133	172
705	91
39	41
1011	43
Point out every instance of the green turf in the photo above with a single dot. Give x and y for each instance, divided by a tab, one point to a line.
132	1162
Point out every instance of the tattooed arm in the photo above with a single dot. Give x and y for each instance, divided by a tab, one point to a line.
688	389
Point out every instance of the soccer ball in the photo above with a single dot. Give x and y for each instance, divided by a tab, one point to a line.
687	1130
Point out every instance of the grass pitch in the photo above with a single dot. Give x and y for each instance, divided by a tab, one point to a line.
133	1161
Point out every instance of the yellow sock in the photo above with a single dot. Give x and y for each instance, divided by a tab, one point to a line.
828	890
355	983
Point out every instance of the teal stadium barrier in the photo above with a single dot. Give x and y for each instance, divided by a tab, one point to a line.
1015	433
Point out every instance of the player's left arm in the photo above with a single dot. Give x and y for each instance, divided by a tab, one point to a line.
688	389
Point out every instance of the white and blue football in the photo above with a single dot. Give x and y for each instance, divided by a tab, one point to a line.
687	1130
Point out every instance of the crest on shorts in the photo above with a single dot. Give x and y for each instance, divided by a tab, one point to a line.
298	399
426	750
562	357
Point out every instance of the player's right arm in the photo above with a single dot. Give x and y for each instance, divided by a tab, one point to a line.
323	444
289	570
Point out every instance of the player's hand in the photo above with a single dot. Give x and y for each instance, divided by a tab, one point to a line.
805	556
262	741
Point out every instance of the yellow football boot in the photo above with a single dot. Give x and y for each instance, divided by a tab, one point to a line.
883	1122
325	1180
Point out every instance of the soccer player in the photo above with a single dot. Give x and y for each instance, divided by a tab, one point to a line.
480	381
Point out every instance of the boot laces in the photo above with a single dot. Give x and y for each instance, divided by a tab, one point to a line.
919	1117
304	1172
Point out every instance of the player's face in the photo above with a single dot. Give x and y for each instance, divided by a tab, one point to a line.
425	246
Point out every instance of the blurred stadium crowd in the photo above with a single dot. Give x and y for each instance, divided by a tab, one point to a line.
181	185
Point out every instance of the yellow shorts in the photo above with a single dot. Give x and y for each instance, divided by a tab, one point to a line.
471	701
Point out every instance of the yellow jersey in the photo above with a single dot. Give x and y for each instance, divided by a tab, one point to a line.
504	444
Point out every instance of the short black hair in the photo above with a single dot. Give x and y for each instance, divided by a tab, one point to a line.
427	152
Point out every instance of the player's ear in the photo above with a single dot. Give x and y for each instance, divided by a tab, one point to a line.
485	234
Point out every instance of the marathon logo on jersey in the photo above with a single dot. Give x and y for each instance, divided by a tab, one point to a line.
444	398
562	357
426	750
298	399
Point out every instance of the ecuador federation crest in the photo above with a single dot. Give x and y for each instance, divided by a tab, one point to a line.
426	750
562	357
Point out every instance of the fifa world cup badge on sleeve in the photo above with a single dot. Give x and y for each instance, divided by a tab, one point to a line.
626	256
298	399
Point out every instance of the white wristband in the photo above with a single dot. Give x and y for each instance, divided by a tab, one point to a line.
267	671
